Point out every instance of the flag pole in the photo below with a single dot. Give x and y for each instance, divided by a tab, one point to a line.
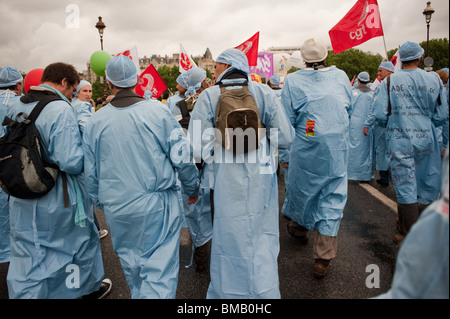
384	40
385	49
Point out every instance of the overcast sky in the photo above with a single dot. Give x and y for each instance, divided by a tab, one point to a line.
37	33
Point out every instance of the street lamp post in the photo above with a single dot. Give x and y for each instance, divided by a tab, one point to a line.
100	25
427	12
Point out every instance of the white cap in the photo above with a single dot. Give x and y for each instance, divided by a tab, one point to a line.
314	50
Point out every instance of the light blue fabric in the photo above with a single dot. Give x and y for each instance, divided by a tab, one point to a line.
10	76
382	156
275	79
277	92
422	267
364	76
45	240
245	240
83	111
132	158
317	184
121	72
191	80
7	98
235	58
410	51
411	133
360	147
198	216
82	84
172	101
387	65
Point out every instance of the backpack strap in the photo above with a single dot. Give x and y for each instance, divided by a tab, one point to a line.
40	106
388	80
32	118
183	108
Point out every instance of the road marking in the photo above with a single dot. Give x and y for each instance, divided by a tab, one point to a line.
380	196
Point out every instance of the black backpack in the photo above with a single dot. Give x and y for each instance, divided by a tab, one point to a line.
23	172
185	108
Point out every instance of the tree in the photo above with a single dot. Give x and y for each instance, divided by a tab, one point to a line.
169	76
353	61
439	51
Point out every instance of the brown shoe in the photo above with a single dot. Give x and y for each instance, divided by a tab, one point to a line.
298	232
398	238
321	268
201	258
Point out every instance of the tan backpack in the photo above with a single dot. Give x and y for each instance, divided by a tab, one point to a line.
237	119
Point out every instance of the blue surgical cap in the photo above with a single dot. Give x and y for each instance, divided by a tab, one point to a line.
387	65
275	79
364	77
82	84
410	51
121	72
192	80
10	76
236	58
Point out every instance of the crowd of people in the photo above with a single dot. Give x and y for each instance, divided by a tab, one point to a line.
154	167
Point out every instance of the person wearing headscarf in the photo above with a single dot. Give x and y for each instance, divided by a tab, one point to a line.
317	101
360	147
417	106
382	157
11	85
190	83
81	103
197	216
55	247
245	239
134	152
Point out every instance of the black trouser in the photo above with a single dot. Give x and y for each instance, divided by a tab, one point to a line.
384	176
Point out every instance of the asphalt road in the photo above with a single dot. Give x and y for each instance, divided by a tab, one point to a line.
366	253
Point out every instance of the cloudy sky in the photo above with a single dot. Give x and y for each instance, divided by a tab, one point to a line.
37	33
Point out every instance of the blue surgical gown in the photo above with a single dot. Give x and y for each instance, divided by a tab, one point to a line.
382	157
132	157
83	110
317	103
6	98
47	246
419	105
360	147
245	240
172	101
422	267
196	217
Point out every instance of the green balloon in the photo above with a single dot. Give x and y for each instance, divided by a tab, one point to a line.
98	62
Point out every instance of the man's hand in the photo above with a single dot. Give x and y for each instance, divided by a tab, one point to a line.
285	165
365	131
192	199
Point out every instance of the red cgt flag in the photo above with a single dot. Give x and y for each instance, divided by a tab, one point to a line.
360	24
250	48
150	80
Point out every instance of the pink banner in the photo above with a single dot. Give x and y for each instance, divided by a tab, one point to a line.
264	67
